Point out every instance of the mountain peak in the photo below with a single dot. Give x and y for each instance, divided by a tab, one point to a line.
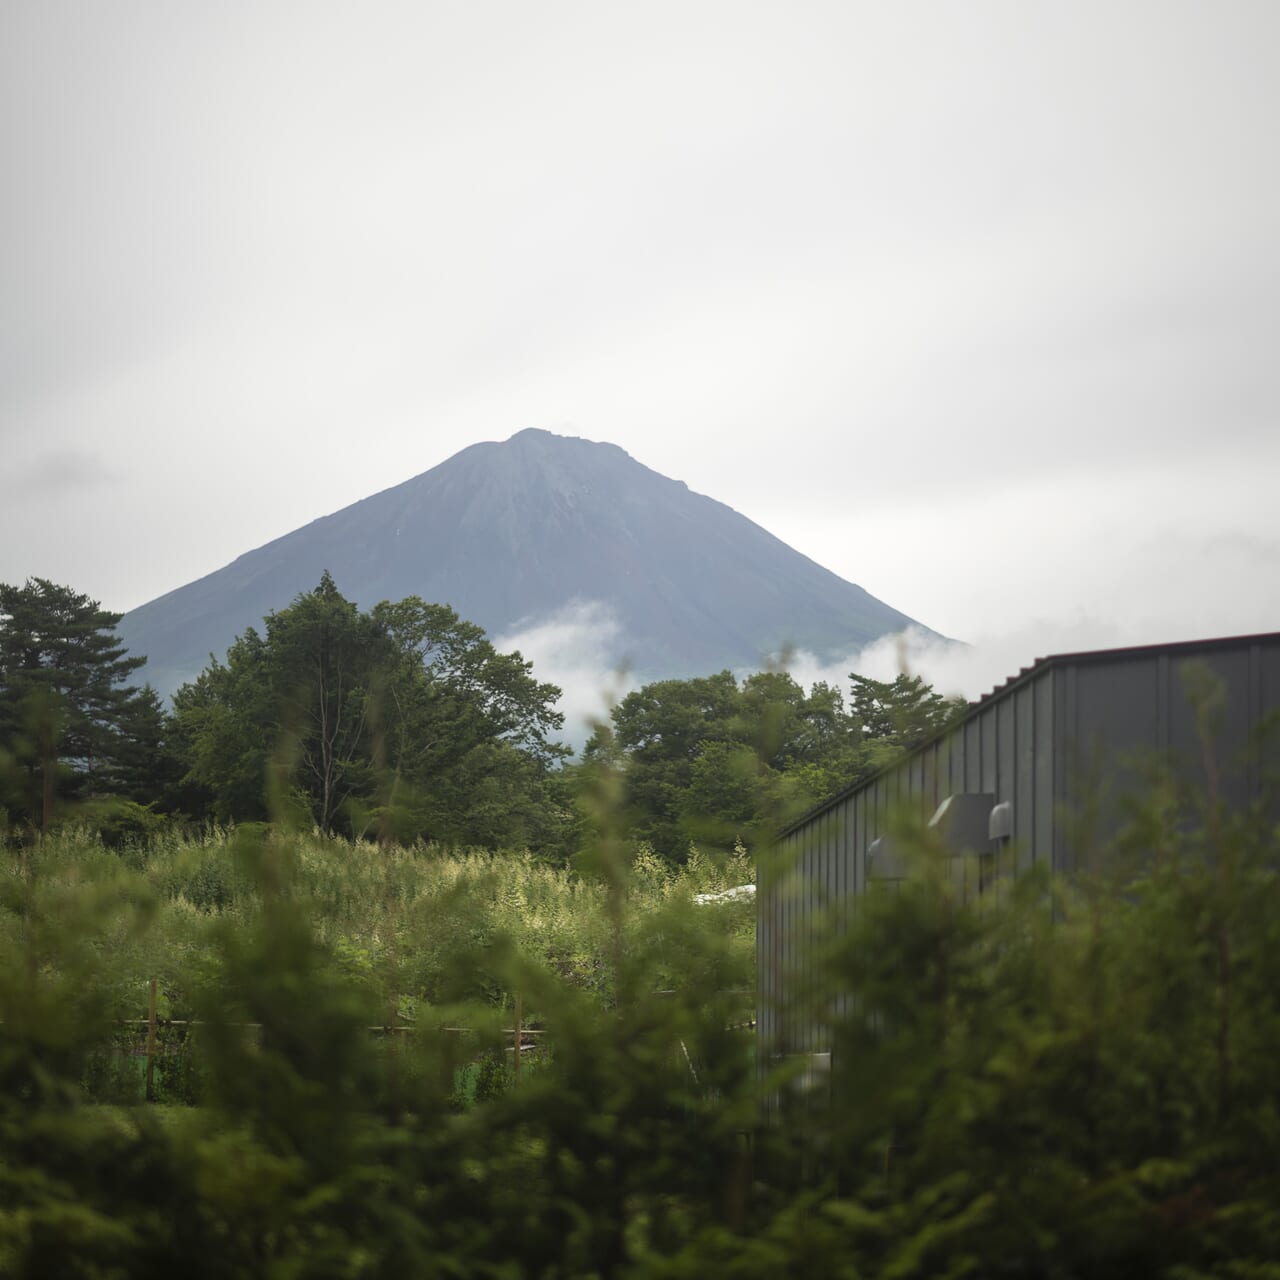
511	532
539	441
533	434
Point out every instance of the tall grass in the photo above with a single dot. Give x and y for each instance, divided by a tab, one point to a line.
420	925
1080	1084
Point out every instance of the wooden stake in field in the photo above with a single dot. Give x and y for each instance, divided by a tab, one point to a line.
519	1040
151	1041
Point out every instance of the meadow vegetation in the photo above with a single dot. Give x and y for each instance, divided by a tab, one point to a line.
1080	1083
404	723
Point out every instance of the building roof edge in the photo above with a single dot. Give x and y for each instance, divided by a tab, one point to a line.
1024	676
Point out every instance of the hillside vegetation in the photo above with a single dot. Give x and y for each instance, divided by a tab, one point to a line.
405	723
1080	1084
321	1004
418	926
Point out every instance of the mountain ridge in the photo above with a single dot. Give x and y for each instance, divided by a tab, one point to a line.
507	533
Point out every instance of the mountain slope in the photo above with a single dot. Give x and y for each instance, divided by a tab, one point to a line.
510	532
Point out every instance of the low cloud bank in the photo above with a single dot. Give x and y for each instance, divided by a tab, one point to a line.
575	647
974	669
578	646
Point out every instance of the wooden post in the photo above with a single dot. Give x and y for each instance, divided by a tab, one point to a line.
151	1041
519	1039
391	1050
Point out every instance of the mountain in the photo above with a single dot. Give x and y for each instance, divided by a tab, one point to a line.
510	533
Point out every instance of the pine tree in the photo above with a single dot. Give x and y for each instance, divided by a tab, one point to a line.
63	695
902	712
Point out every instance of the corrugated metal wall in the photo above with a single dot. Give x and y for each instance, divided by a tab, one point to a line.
1041	742
1119	713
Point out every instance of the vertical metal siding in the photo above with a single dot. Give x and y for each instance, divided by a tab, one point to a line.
862	835
1024	788
874	808
1267	725
972	778
1117	710
987	736
1115	732
1032	745
844	880
786	875
803	951
817	899
848	884
1164	692
1254	712
814	897
1066	769
835	867
1005	788
1231	724
1046	769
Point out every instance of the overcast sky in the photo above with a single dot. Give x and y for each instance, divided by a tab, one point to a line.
977	304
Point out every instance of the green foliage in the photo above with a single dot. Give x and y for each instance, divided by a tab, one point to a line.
715	761
68	719
1078	1082
904	711
403	722
317	1146
149	770
1075	1083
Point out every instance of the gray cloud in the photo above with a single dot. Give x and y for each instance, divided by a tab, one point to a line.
577	648
54	474
976	306
962	670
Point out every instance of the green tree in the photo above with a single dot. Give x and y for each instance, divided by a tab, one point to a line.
661	729
149	769
902	712
772	717
64	696
219	735
403	721
713	761
728	795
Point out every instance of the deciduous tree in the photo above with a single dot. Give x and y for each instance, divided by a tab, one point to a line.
711	760
395	721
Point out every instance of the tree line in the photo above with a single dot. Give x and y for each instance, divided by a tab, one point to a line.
404	722
716	761
400	722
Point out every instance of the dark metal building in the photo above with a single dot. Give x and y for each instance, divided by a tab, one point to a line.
1005	786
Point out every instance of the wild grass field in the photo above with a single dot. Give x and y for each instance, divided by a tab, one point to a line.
421	931
1080	1084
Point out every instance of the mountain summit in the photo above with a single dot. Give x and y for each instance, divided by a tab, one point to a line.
510	533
